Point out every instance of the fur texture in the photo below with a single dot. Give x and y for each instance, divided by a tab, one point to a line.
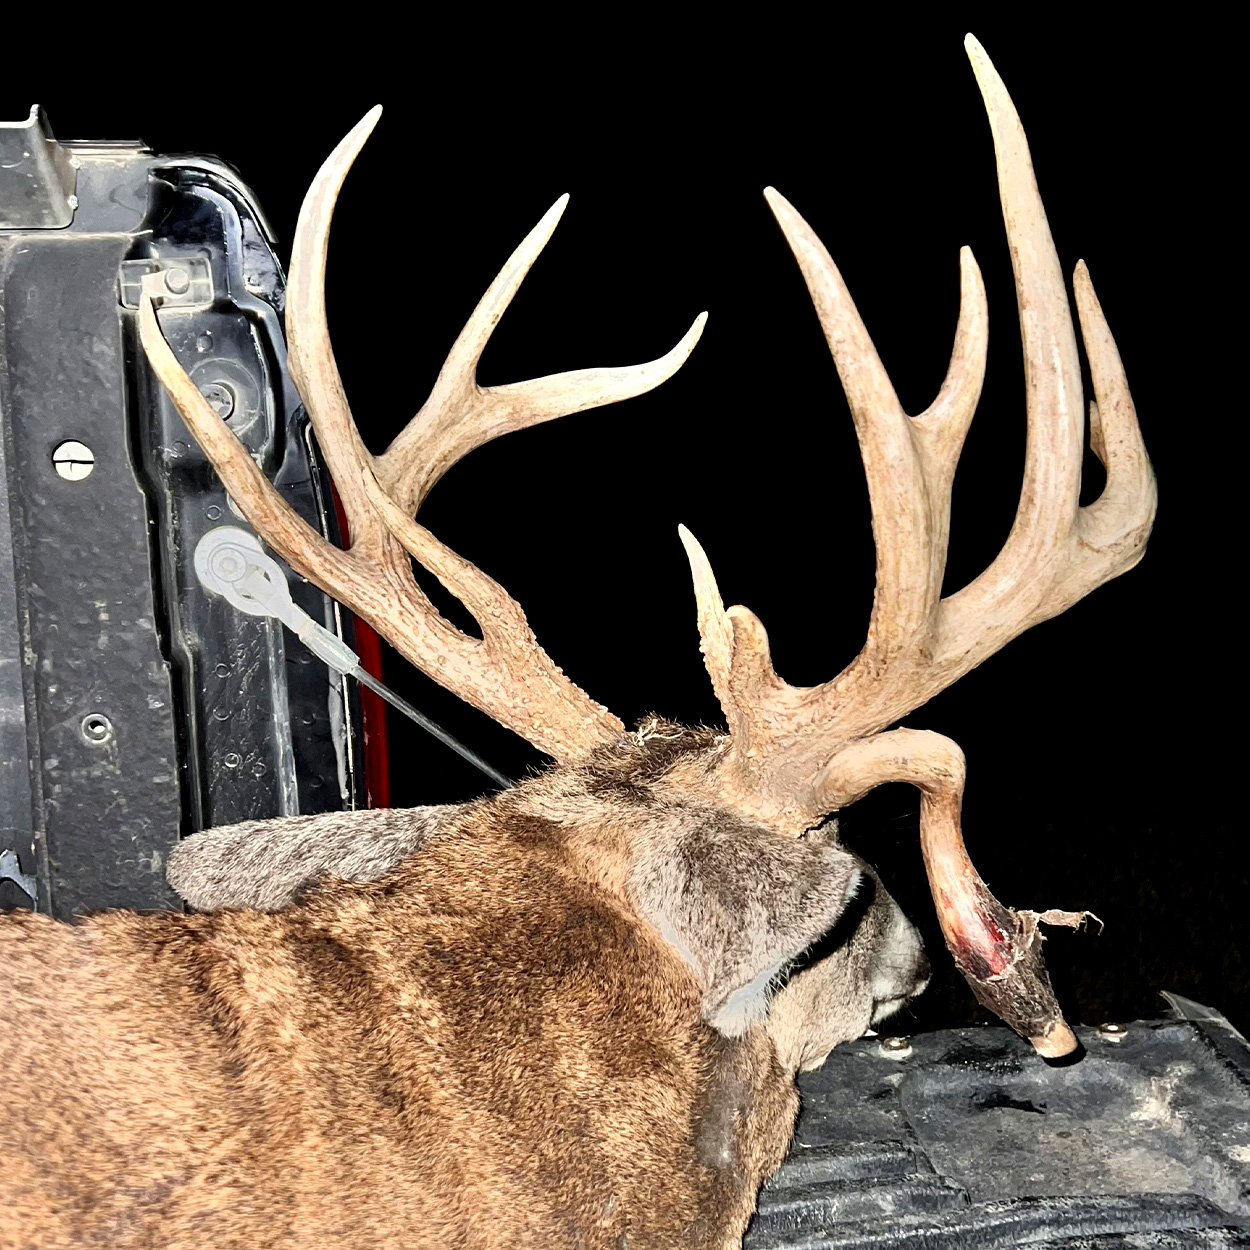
491	1044
267	864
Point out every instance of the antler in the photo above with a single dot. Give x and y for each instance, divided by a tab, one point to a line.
798	753
505	673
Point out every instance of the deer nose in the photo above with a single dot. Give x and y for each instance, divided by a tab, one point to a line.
924	971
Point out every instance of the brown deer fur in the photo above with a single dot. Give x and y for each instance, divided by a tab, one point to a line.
487	1046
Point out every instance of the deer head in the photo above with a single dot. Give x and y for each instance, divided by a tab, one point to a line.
791	756
795	933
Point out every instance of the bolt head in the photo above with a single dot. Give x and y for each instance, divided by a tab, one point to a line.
73	460
896	1047
220	398
177	281
228	564
1111	1032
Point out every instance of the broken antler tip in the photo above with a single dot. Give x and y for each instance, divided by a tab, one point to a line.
1056	1042
748	627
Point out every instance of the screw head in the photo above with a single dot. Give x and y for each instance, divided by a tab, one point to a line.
220	398
177	281
232	759
896	1047
73	460
96	729
1110	1032
228	564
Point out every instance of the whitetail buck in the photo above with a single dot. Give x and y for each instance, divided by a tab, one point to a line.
560	1015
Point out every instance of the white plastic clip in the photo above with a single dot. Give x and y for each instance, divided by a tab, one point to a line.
231	562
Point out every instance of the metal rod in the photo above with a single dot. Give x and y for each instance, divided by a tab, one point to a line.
430	727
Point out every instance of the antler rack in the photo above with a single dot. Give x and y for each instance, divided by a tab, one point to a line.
794	754
798	753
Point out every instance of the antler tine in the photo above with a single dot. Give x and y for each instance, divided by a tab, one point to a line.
310	355
1114	528
1014	591
1056	552
507	639
505	673
905	588
715	630
460	416
796	754
250	489
910	466
941	429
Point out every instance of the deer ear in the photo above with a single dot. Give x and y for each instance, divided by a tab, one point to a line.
738	902
267	864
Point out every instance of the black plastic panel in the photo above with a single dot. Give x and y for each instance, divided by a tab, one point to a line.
968	1139
135	707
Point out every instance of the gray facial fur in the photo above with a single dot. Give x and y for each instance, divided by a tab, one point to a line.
864	969
738	901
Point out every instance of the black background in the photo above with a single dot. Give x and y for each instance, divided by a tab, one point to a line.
1101	745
